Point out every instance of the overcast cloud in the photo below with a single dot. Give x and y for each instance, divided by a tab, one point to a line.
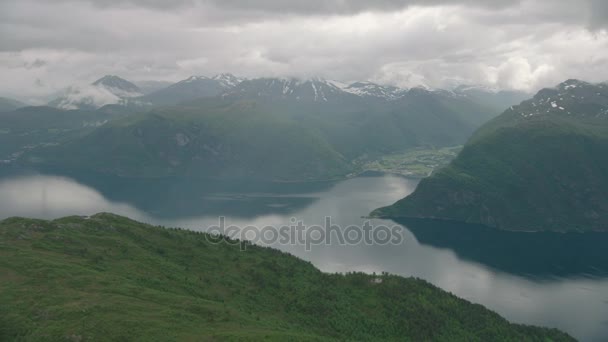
48	45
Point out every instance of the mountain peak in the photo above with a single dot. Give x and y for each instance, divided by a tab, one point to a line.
107	90
572	83
118	86
227	80
194	79
574	98
108	78
370	89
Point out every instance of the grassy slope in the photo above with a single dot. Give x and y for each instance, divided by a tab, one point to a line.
110	278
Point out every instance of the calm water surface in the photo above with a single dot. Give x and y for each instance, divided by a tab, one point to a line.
553	280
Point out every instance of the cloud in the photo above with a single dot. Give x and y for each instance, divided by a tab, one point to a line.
311	7
46	46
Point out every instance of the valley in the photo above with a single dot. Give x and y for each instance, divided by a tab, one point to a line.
416	163
330	170
182	164
317	130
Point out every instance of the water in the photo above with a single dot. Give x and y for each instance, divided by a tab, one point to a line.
553	280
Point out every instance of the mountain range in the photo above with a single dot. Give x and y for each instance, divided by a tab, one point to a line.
191	89
541	165
316	129
115	90
225	126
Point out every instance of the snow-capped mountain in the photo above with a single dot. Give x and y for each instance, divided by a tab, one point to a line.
115	90
319	90
228	80
572	98
105	91
313	90
369	89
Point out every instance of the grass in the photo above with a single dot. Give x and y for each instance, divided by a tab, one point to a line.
107	278
416	163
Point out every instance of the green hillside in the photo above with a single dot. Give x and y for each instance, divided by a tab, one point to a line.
226	140
107	278
542	165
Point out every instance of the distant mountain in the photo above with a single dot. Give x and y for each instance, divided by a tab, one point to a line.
105	91
113	90
227	80
320	90
190	89
118	86
368	119
148	87
315	129
493	98
278	89
541	165
222	140
369	89
7	105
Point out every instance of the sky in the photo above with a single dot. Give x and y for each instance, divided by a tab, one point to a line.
47	45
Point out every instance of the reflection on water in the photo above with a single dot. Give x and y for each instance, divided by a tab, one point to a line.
533	255
50	197
555	280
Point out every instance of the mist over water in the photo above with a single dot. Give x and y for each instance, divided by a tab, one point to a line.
51	197
532	284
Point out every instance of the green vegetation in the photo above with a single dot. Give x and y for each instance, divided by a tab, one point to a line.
230	141
416	163
110	278
542	165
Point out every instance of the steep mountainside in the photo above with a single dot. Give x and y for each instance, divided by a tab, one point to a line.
227	140
110	278
35	127
542	165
